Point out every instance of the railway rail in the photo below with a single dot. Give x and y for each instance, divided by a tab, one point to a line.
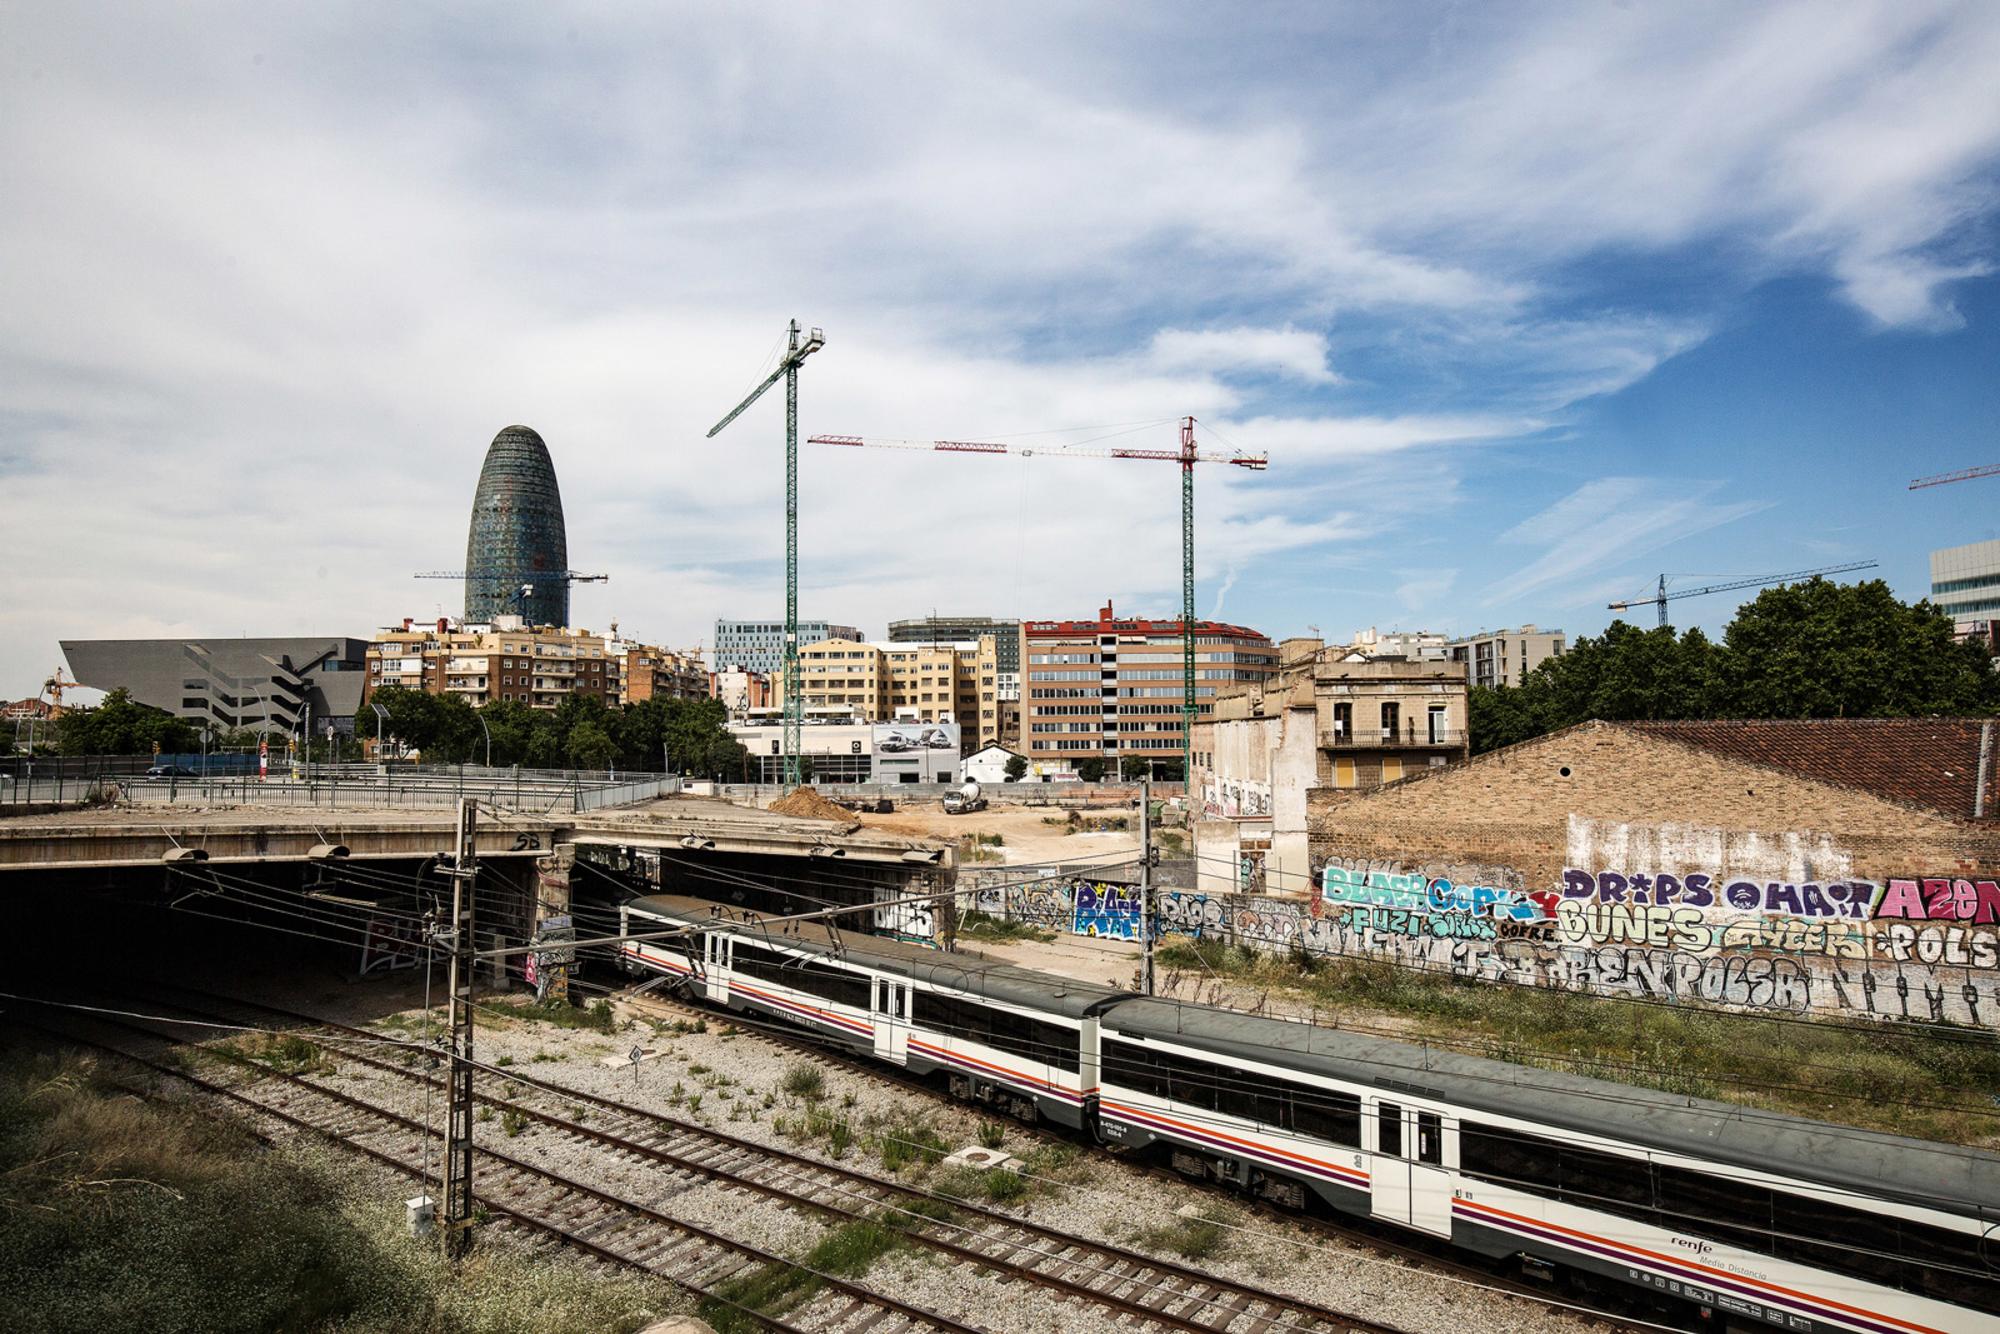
1439	1259
1143	1292
599	1223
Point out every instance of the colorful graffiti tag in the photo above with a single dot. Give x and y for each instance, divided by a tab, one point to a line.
1107	910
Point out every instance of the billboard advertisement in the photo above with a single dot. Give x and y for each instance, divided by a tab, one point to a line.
915	752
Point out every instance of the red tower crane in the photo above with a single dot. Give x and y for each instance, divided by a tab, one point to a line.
1187	456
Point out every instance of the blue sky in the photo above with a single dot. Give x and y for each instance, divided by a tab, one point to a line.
1527	303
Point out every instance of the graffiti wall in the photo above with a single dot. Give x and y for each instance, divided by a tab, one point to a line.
1894	980
1235	798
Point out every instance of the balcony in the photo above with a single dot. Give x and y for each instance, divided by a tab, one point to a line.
1412	736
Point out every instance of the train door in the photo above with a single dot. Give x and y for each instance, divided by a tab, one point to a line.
1409	1183
891	1015
715	965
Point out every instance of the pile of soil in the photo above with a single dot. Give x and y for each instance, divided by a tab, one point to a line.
805	803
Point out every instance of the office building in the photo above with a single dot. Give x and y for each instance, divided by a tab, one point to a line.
265	685
1112	688
1965	585
760	645
517	540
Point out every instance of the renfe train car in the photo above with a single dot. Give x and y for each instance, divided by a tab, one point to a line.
1739	1218
1018	1040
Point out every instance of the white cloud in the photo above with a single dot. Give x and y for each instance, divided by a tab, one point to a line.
1605	522
1294	353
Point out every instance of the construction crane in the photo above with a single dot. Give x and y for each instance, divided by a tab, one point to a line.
1661	598
1962	475
796	351
507	576
1187	456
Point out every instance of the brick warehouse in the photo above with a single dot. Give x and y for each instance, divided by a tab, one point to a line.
1835	866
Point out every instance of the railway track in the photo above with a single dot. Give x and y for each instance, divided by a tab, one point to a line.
610	1227
1142	1292
1439	1258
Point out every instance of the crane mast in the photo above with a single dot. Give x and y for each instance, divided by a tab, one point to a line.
796	351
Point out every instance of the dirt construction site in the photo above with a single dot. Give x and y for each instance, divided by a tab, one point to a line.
1027	834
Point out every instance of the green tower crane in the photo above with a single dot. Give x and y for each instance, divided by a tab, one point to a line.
796	351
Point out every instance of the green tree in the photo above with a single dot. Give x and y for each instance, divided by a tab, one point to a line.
1808	650
1017	768
590	746
1134	767
1091	769
120	725
1826	650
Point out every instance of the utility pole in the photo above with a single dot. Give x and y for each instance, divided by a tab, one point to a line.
1146	882
458	1110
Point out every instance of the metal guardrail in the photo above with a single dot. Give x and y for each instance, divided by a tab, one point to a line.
355	787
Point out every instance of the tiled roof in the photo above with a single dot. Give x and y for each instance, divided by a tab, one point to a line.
1929	762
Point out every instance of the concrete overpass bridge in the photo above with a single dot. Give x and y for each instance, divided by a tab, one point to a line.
363	867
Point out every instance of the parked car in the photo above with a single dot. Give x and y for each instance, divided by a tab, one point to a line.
169	771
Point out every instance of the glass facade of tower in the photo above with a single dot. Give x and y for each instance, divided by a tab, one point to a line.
517	536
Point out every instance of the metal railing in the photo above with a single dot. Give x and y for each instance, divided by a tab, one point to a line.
1413	734
67	782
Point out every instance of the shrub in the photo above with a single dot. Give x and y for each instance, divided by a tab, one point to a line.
992	1134
1002	1184
911	1142
804	1080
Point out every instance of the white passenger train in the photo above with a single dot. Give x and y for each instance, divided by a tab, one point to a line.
1734	1218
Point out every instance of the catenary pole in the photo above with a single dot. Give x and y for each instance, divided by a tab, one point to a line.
1146	923
458	1109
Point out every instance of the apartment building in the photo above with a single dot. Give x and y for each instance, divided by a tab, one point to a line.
1415	645
1006	635
934	683
1505	657
1113	688
741	690
1333	719
536	666
760	645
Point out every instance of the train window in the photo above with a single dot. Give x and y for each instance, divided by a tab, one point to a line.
1132	1067
1430	1138
1832	1236
1734	1212
1508	1158
1018	1035
813	978
1389	1129
1324	1114
1915	1257
1196	1083
1609	1182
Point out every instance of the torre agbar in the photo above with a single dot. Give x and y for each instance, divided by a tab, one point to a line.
517	535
